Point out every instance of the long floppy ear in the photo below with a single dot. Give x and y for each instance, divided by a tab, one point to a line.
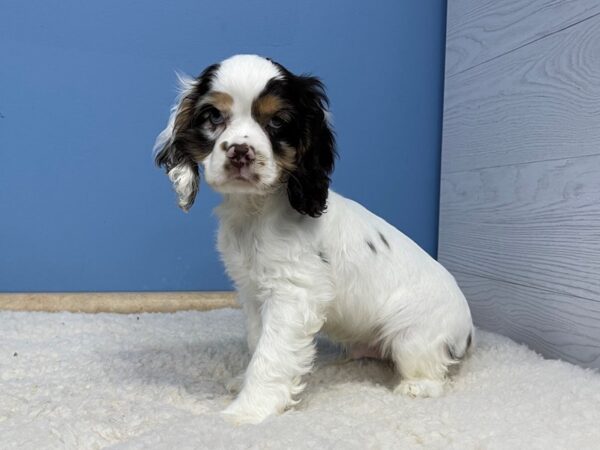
308	185
175	148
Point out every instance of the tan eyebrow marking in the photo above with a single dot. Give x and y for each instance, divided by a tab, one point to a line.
264	107
220	100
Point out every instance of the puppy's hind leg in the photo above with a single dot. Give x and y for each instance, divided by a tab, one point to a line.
423	364
423	367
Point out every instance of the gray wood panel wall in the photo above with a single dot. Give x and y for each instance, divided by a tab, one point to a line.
520	187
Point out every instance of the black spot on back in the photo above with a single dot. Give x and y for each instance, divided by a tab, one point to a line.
384	240
323	257
372	246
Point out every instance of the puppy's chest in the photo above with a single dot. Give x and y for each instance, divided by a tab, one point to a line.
250	252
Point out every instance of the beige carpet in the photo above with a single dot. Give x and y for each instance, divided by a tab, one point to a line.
156	381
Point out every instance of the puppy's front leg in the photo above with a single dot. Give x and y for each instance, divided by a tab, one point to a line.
253	321
284	353
254	326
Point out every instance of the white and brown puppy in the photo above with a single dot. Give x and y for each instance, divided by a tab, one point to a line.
303	258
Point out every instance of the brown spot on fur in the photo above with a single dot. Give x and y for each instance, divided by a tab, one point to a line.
266	107
184	135
286	160
220	100
187	136
184	115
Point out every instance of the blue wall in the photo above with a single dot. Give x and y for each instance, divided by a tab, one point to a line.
86	86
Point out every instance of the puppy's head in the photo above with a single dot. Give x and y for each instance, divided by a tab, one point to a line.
253	127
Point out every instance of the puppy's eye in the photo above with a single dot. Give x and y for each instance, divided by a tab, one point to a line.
215	116
275	123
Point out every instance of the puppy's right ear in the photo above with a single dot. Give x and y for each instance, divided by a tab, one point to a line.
169	151
177	147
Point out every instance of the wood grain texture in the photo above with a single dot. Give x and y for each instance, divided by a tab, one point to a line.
537	103
536	224
556	325
117	302
520	185
481	30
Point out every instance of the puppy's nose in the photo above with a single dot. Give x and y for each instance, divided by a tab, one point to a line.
240	154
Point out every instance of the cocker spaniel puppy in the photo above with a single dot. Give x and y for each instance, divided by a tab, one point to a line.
303	258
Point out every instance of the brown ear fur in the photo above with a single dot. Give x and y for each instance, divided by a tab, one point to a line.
178	147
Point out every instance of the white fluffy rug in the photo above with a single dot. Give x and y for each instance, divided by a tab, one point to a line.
156	381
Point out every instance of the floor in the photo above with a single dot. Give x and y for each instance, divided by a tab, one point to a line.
156	380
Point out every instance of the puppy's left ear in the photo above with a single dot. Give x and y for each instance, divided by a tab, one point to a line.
308	185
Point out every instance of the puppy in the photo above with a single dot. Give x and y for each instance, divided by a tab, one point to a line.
303	258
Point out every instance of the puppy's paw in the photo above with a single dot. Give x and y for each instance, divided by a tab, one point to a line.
420	388
239	415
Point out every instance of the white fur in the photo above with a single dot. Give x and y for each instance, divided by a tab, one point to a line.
185	183
398	298
348	273
243	77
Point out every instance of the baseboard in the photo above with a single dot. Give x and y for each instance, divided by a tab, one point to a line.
117	302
